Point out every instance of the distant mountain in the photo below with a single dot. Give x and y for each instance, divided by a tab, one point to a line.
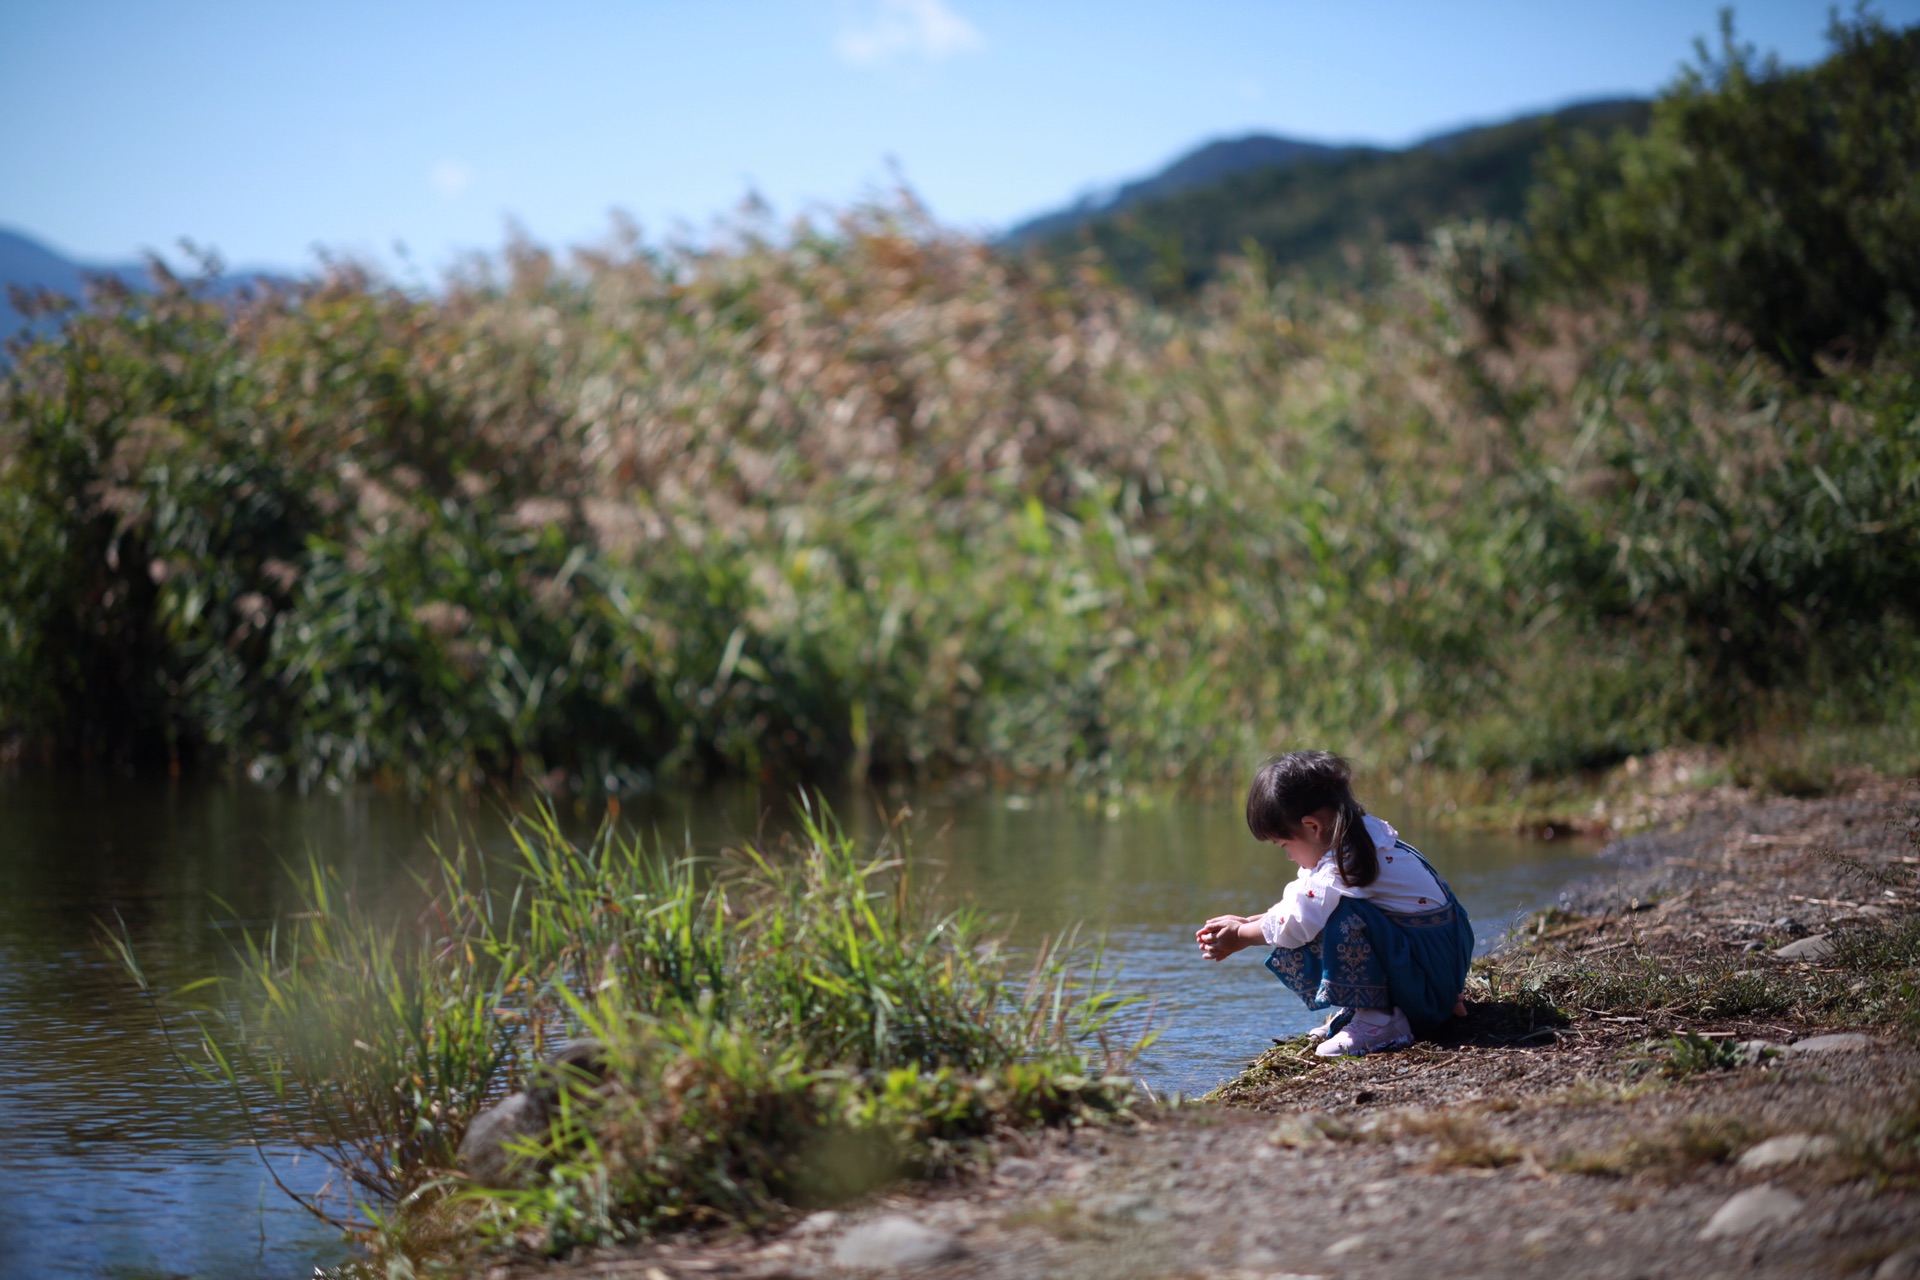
1308	206
1212	162
28	264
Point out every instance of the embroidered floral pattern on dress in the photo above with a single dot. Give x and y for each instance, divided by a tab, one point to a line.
1354	978
1290	966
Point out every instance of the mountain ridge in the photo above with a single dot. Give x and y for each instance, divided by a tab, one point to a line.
1300	202
1206	163
30	264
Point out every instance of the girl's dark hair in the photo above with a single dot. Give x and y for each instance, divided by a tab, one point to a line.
1290	787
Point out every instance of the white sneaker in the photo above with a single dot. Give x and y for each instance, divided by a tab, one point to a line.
1336	1015
1358	1039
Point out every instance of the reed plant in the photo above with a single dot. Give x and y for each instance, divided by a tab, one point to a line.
779	1027
869	496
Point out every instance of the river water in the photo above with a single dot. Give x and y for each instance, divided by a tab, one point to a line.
118	1165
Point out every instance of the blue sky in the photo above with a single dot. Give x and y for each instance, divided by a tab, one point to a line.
270	128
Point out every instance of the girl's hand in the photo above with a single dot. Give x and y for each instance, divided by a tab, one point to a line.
1221	936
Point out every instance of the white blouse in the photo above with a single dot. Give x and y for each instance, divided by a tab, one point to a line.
1404	885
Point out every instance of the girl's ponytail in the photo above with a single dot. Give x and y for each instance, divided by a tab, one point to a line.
1290	787
1353	849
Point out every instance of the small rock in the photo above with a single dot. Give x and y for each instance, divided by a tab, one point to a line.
1843	1042
1818	947
1788	1148
485	1152
1789	926
1753	1211
1016	1169
817	1224
1350	1244
893	1241
1538	1236
1752	1051
575	1067
1904	1265
1755	945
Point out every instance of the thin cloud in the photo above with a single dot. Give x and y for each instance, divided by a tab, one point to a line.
896	31
450	178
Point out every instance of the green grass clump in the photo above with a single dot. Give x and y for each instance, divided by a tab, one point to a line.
787	1028
1880	970
1687	1054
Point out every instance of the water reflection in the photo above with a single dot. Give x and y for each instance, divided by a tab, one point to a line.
119	1165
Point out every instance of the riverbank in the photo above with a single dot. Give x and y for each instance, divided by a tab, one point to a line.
1646	1085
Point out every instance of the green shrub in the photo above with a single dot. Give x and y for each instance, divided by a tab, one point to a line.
1783	201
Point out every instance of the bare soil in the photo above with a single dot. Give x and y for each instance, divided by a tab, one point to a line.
1538	1136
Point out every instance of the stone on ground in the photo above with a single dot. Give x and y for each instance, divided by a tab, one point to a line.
486	1154
1788	1148
1904	1265
1818	947
894	1241
1753	1211
1844	1042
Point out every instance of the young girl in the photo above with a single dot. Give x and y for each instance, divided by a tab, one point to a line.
1401	943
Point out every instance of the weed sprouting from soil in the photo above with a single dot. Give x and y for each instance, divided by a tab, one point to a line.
1680	1057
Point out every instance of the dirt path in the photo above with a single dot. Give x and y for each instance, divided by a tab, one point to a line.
1561	1129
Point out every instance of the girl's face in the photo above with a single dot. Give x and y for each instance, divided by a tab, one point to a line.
1311	840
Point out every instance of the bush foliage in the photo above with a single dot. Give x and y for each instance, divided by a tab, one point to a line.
1787	202
870	497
